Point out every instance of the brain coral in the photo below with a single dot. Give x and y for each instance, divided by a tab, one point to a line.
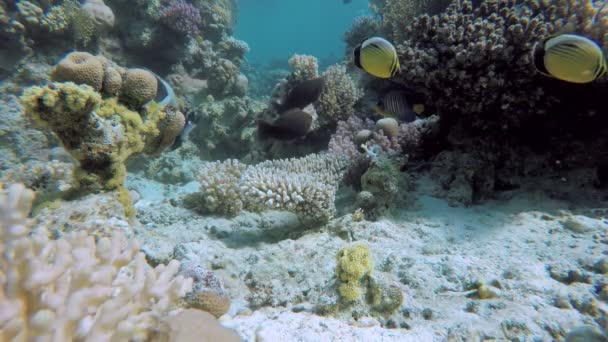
112	81
139	87
80	68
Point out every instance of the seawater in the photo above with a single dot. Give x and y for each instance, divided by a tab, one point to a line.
277	29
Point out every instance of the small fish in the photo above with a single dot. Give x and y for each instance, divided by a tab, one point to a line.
377	57
303	94
570	58
292	124
395	105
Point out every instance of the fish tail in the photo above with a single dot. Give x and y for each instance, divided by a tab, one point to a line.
266	130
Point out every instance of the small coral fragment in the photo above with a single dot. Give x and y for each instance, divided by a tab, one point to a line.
354	266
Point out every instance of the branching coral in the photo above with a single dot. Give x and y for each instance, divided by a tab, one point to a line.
225	128
74	287
398	14
339	96
305	186
181	16
362	28
304	67
476	62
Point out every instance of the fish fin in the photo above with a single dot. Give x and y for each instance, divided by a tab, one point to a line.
357	53
538	54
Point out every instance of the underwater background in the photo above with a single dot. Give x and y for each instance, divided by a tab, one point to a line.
337	170
275	30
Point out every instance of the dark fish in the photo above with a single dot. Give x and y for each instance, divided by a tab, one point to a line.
303	94
292	124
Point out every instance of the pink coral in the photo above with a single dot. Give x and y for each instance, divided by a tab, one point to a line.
181	16
347	139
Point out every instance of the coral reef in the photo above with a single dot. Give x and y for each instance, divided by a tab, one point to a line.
101	134
361	29
305	186
75	287
225	128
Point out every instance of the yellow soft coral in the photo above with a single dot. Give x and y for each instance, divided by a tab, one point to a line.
59	104
354	266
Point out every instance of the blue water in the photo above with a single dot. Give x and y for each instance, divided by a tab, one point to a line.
276	29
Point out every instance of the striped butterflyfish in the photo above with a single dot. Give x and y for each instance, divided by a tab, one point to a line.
377	57
570	58
395	105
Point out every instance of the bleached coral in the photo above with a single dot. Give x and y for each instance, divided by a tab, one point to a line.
306	186
304	67
74	287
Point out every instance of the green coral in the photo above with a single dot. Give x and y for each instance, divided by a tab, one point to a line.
354	267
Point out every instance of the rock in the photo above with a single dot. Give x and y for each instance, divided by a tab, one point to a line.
586	333
583	224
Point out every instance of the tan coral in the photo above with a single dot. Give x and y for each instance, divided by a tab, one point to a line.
112	81
80	68
140	86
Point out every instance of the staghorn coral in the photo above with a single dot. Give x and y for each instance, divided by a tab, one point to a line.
75	288
339	96
305	186
80	68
